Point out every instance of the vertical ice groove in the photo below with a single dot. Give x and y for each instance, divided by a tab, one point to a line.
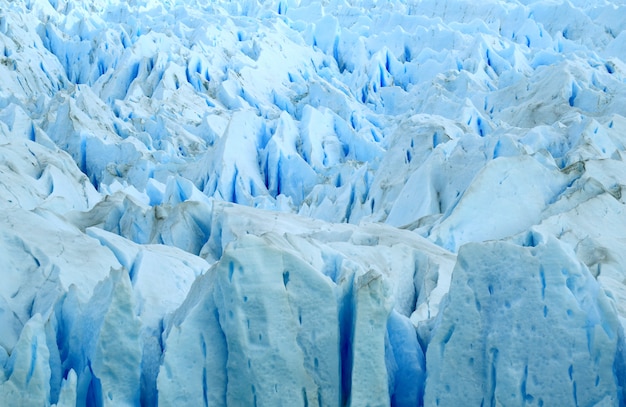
542	275
447	338
573	94
33	360
525	396
205	390
346	325
492	377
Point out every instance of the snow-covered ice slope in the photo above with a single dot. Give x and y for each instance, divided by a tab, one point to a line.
303	203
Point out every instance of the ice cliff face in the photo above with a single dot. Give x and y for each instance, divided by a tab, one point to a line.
312	203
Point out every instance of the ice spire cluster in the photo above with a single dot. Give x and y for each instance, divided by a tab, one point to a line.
302	203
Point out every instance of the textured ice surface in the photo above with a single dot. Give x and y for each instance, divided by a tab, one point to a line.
261	203
518	320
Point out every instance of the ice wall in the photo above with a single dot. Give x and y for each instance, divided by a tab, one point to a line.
518	320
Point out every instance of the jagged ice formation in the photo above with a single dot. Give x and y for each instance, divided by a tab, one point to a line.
301	203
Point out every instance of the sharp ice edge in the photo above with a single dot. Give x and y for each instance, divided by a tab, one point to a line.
260	203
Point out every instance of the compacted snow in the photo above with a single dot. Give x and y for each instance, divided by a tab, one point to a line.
304	203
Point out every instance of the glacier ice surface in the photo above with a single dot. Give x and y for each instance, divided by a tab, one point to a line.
312	203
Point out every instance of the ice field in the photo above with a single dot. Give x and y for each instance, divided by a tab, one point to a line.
312	203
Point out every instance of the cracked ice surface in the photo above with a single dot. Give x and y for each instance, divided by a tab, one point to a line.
312	203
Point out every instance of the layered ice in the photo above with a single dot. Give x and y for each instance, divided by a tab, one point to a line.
304	203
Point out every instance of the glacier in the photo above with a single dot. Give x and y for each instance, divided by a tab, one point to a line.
302	203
